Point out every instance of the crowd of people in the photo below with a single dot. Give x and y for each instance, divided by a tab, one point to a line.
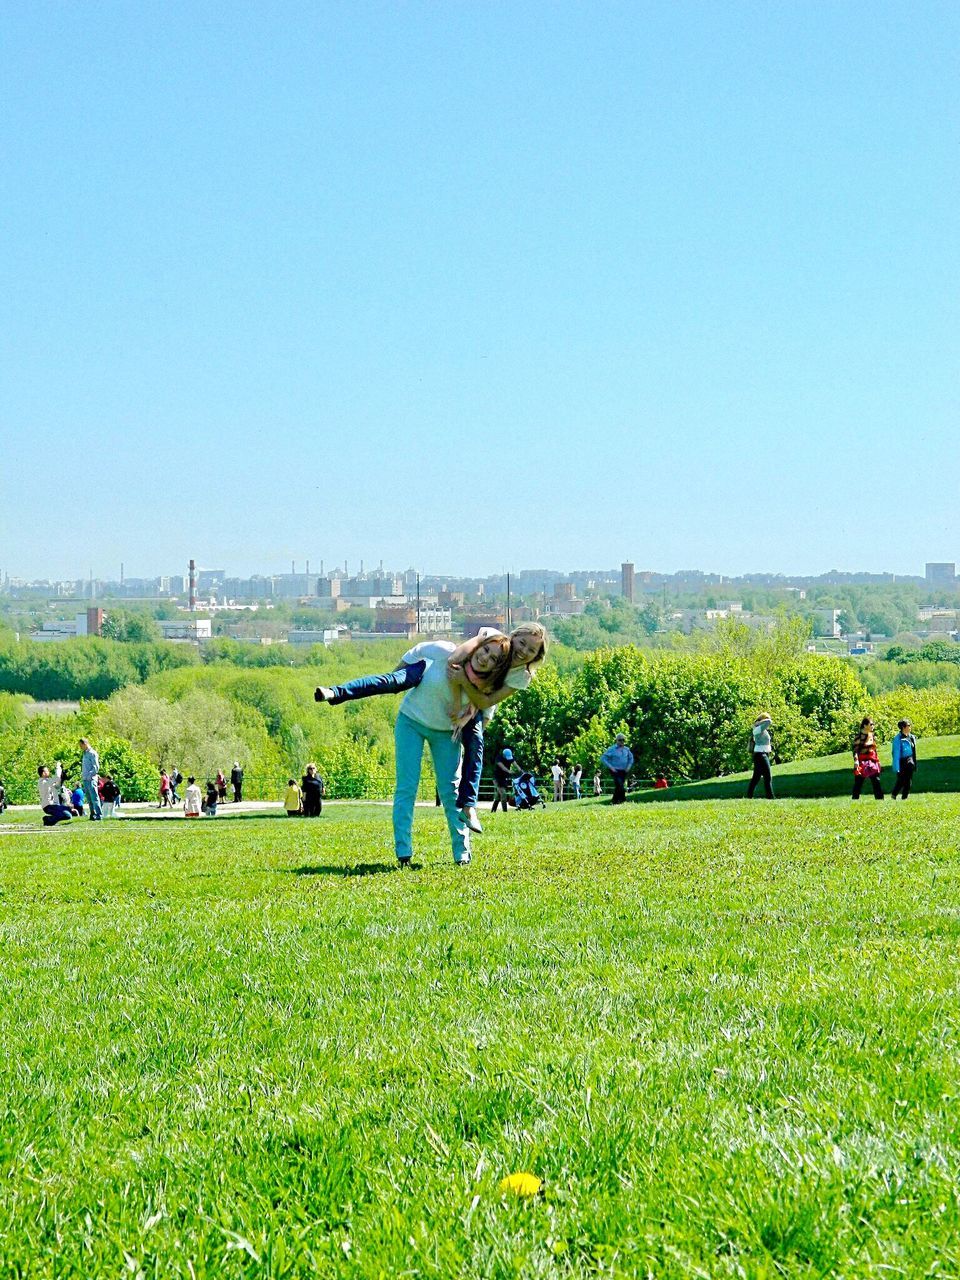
450	692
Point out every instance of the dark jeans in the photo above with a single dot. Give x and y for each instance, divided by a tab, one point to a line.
904	780
858	782
54	813
761	769
619	786
409	677
503	796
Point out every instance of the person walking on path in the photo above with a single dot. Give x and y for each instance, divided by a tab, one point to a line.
904	759
293	800
866	762
49	788
618	758
761	742
236	781
505	769
312	788
166	791
209	806
576	775
90	778
220	782
192	800
556	769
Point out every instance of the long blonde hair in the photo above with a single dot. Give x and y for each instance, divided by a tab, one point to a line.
538	632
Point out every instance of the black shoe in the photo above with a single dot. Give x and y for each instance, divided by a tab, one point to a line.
318	695
404	862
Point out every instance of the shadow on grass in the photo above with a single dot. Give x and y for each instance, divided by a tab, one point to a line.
358	869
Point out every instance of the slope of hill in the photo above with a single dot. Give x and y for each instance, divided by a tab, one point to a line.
938	770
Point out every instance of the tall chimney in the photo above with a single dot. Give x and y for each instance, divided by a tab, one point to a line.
193	586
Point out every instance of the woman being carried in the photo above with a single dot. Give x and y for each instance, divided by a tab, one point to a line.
482	672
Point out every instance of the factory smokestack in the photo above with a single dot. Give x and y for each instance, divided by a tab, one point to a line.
193	585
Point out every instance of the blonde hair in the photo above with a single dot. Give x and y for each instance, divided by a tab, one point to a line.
538	632
493	679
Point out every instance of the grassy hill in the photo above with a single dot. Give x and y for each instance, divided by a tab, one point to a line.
724	1035
938	771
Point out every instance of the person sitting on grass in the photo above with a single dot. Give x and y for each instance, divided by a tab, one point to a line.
484	671
293	800
660	782
192	799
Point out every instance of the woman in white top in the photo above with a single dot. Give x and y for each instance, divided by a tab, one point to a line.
475	670
762	743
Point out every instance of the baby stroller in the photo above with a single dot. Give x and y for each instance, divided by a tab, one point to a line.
525	793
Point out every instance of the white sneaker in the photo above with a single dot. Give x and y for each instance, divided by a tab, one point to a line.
462	862
472	821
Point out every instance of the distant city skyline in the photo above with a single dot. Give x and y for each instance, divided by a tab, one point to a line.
939	573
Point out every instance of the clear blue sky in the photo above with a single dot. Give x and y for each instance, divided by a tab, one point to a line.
473	286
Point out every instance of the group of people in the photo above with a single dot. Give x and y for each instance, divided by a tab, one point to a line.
866	759
450	691
216	791
60	802
305	799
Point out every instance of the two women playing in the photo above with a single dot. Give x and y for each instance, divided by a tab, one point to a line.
449	691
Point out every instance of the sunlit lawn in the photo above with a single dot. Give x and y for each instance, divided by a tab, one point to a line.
725	1035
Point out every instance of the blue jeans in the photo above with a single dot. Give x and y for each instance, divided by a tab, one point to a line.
93	799
409	677
410	737
54	813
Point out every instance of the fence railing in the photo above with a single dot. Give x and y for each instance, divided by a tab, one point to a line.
271	788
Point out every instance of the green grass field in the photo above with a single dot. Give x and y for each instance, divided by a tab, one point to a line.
724	1034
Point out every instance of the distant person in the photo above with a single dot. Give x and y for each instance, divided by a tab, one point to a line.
3	798
866	761
293	800
221	781
192	800
49	788
176	777
209	805
312	792
904	759
576	775
618	758
166	791
236	781
89	777
597	784
109	795
660	782
556	772
761	744
505	769
75	798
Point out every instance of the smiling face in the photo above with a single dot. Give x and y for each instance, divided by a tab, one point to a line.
485	658
526	648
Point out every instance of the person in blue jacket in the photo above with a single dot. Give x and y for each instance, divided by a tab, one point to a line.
904	760
619	760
